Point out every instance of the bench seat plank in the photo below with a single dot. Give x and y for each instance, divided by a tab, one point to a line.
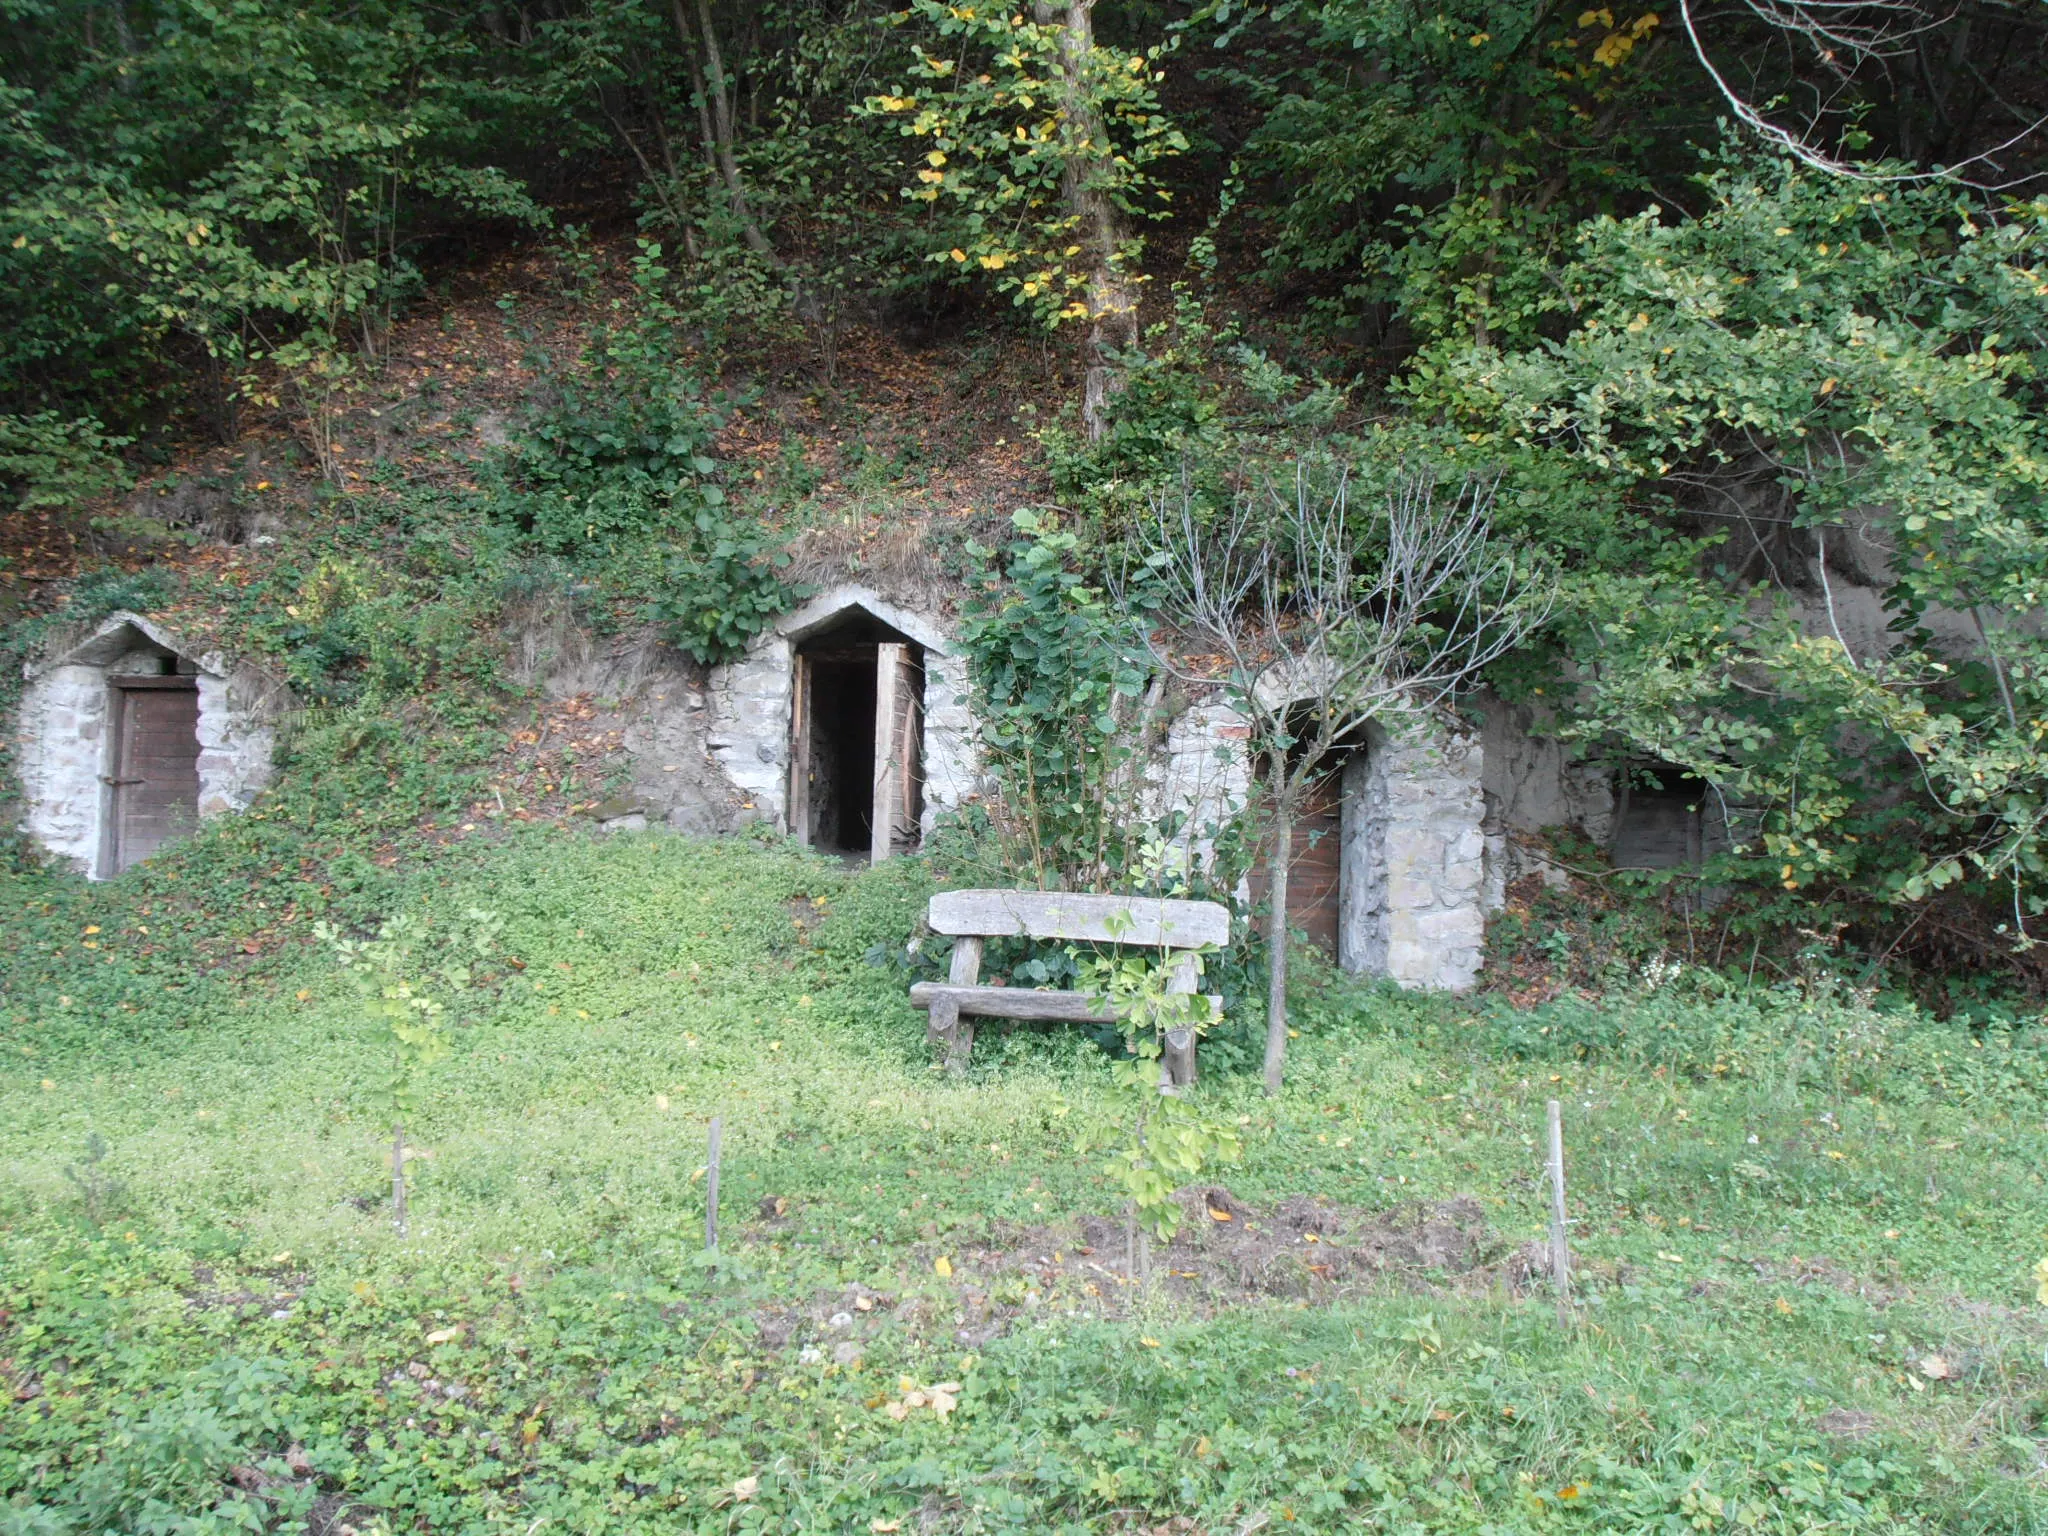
1022	1003
1014	1002
1147	920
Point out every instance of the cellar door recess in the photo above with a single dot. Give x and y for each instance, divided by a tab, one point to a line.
1659	818
1315	874
857	741
153	788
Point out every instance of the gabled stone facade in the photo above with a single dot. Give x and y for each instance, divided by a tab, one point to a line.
65	736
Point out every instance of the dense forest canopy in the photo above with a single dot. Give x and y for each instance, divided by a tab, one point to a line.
1737	301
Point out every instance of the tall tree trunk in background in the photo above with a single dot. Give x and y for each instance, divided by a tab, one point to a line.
721	132
1112	297
1277	860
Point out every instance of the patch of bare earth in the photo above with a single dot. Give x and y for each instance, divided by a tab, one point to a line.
1225	1254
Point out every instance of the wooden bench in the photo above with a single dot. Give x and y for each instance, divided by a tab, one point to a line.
972	918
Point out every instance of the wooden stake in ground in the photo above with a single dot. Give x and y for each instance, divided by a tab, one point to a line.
1560	1250
711	1184
398	1178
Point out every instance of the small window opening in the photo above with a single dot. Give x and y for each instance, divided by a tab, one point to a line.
1660	818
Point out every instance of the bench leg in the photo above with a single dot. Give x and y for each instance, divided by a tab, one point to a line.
951	1035
1177	1060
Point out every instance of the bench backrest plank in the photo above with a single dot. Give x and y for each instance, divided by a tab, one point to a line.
1152	920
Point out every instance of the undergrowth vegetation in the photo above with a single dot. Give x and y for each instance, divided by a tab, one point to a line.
1804	1226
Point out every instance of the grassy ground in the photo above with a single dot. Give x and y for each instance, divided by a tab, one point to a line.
1806	1232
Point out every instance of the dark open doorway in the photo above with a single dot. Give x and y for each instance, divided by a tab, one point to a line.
856	760
1660	818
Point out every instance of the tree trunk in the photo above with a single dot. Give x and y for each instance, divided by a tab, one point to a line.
721	119
1276	944
1112	297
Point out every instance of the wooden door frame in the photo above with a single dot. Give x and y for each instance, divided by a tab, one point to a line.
799	812
114	777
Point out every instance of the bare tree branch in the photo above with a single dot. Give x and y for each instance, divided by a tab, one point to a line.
1843	37
1318	616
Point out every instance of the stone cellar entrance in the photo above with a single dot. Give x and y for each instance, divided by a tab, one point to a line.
857	740
130	738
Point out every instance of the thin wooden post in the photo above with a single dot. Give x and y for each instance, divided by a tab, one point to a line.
398	1177
1560	1248
711	1184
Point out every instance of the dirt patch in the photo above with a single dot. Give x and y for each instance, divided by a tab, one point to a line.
1227	1253
1846	1423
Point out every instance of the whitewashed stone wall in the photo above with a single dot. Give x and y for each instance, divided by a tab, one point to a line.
750	705
62	732
1417	911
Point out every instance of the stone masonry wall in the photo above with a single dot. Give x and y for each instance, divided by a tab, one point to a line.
1420	917
62	730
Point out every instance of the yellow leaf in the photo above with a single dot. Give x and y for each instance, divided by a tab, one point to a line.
1569	1492
995	263
942	1267
446	1335
1149	1342
936	158
882	1527
20	241
957	254
1828	386
661	1102
746	1488
49	1086
92	927
1216	1215
304	993
1477	39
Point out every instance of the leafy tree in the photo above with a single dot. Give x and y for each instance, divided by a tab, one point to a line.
1044	148
1820	376
401	983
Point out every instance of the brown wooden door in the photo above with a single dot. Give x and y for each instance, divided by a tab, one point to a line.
1313	874
156	766
899	741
